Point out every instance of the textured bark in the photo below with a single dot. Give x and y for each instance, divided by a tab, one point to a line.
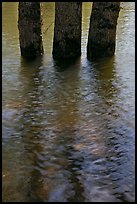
102	31
29	25
67	30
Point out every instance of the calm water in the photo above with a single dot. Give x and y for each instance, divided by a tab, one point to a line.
68	135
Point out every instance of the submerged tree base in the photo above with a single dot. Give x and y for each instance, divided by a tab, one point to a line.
67	30
102	31
29	24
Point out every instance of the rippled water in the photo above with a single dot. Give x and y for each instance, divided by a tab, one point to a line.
68	129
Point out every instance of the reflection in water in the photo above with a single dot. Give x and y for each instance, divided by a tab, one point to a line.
48	149
66	119
111	163
31	129
31	134
68	129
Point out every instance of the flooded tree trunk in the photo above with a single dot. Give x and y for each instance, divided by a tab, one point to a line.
102	31
67	30
29	25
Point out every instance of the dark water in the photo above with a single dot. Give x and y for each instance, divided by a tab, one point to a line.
68	135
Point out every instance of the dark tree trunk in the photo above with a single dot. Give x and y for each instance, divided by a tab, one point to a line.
29	24
102	31
67	30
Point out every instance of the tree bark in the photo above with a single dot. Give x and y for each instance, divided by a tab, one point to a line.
29	25
67	30
102	31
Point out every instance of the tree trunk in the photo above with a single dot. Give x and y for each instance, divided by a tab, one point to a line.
67	30
29	24
102	31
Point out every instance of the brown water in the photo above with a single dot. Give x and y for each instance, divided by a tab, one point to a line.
68	134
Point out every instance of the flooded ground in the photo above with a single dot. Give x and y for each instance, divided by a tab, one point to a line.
68	130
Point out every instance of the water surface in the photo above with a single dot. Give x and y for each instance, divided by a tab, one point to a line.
68	135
